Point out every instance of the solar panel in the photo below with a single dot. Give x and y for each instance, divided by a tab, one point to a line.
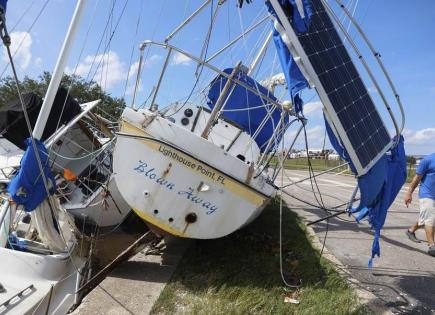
347	96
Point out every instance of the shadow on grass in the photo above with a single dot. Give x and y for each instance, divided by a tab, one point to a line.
239	274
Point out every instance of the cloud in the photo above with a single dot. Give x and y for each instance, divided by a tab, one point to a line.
111	70
313	109
180	59
149	62
21	44
419	141
152	60
38	62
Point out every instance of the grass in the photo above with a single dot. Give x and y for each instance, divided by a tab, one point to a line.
320	165
239	274
317	164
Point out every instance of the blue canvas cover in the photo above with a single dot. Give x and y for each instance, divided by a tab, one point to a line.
374	204
293	75
241	98
378	187
27	187
3	5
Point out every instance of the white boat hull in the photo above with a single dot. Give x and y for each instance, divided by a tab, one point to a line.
102	209
179	193
51	282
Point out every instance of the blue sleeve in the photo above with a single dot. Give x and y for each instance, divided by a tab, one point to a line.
422	167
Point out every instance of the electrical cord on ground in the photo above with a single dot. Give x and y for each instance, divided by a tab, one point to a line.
293	286
330	209
319	201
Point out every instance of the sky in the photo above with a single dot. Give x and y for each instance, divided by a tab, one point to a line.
106	50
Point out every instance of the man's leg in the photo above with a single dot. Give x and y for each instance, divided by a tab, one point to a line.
411	232
415	227
429	235
430	239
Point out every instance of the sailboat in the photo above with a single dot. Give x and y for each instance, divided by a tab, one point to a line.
78	146
200	169
65	170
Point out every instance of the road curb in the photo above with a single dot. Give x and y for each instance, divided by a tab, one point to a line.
366	297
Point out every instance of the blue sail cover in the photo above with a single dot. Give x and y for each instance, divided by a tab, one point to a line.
27	187
3	5
293	75
377	196
250	117
378	188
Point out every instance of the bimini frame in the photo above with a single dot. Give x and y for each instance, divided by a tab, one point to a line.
274	104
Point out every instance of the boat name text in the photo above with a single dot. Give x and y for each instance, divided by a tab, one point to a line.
152	174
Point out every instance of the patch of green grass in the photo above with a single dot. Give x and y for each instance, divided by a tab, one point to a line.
320	165
317	164
239	274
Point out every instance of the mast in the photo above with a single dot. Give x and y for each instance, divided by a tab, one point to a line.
58	70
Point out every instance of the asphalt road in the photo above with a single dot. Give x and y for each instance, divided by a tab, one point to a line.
403	278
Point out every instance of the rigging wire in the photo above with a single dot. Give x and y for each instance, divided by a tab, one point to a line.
54	216
233	50
50	201
112	31
207	41
138	22
24	37
110	37
101	41
159	19
243	32
186	5
350	21
208	77
106	55
22	15
330	209
229	32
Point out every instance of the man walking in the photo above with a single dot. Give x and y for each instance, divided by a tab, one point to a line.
425	175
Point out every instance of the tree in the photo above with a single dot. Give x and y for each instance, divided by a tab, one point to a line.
82	90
